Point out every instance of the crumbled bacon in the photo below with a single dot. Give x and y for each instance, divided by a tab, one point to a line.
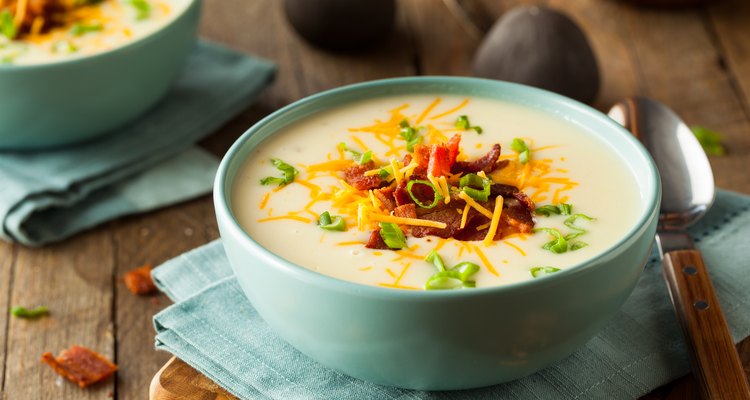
488	163
517	216
80	365
385	196
375	241
139	280
406	211
440	160
355	176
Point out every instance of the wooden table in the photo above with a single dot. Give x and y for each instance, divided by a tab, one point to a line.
695	60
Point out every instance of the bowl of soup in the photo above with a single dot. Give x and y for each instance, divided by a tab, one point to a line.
437	233
71	70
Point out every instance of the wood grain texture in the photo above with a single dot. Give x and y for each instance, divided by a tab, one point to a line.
149	239
74	280
177	380
7	262
717	366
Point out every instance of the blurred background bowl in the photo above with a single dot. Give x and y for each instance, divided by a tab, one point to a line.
67	101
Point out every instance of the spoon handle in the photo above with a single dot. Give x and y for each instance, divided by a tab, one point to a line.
717	366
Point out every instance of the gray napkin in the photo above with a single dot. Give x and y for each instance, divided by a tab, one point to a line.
214	328
47	196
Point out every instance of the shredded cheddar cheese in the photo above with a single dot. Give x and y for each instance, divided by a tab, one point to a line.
465	197
408	221
495	221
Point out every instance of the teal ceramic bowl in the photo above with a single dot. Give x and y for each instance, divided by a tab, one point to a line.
58	103
402	338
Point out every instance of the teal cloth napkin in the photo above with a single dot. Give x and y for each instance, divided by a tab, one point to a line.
214	328
46	196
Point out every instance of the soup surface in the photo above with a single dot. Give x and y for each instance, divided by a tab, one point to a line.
43	31
585	199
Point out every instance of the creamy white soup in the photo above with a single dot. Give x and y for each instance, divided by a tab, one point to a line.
43	31
584	197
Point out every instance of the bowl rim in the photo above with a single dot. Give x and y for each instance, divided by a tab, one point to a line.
224	213
126	46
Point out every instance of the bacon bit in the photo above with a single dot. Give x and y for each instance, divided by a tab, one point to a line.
439	164
139	280
355	176
80	365
375	241
488	163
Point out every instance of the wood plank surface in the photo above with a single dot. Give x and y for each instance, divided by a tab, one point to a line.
697	60
75	279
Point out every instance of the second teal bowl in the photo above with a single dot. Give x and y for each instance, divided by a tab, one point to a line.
439	340
69	101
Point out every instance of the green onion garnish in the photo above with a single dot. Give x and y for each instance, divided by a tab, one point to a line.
709	140
536	272
289	174
7	27
385	172
410	134
520	147
142	9
463	123
80	29
454	278
471	184
392	235
436	199
64	46
559	245
550	209
23	312
577	245
436	260
359	158
331	223
570	222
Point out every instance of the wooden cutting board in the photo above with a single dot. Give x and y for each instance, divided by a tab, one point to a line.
177	380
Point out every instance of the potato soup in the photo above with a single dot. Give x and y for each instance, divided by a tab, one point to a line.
45	31
426	192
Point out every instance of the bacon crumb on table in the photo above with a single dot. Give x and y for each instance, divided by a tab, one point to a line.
139	280
80	365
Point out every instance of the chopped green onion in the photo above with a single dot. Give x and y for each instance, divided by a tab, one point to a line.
359	158
7	26
577	245
557	246
710	140
549	209
142	9
392	235
454	278
463	123
466	269
536	272
436	199
80	29
64	46
289	174
570	222
435	259
331	223
410	135
470	184
385	172
520	147
22	312
440	281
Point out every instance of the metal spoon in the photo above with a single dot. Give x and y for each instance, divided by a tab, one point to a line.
688	192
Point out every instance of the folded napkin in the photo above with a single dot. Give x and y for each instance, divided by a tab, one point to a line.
214	328
49	195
